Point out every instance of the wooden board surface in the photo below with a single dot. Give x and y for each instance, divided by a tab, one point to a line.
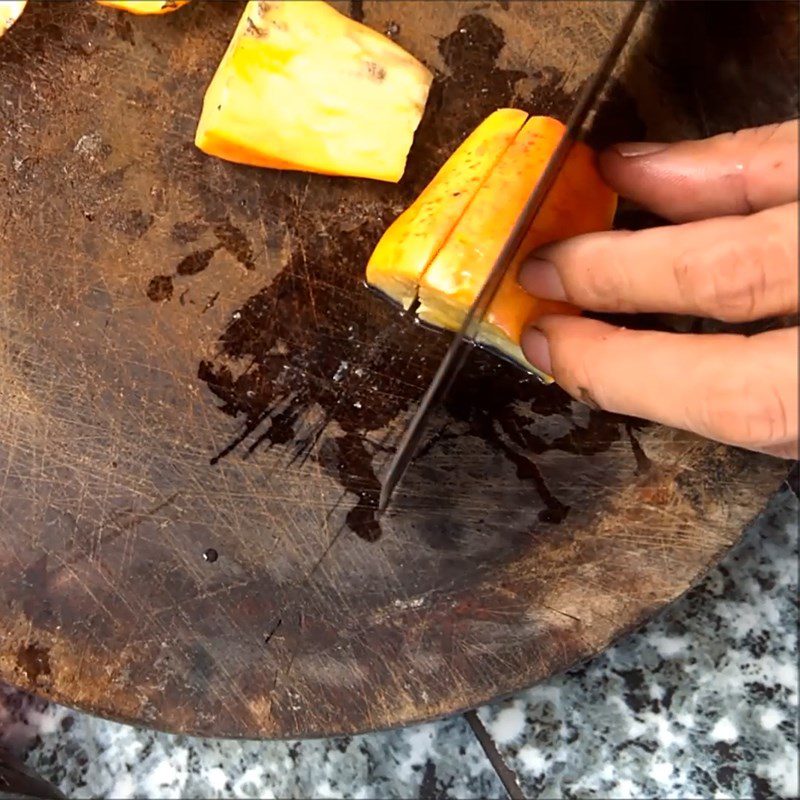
198	395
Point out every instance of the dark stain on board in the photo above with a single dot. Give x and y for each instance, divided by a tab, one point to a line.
160	288
357	10
195	262
235	242
34	661
706	62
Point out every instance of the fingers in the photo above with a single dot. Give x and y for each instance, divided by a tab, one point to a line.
733	269
737	390
734	173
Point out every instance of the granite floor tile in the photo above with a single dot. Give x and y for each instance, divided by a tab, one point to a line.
701	703
88	757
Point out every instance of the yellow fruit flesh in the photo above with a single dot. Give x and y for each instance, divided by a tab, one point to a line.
9	13
303	87
145	6
450	262
411	242
452	281
577	203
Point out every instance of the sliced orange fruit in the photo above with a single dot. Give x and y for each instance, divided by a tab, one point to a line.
449	264
145	6
413	239
304	87
9	13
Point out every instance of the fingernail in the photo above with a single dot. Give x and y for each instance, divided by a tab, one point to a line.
541	279
537	350
634	149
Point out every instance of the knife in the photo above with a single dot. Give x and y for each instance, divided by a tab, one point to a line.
457	353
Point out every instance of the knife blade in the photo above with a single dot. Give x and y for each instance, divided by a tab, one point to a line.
458	351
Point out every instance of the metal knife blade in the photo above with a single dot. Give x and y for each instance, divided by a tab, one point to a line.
457	353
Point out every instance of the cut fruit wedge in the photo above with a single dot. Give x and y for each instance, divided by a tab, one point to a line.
145	6
9	13
579	202
445	267
304	87
412	241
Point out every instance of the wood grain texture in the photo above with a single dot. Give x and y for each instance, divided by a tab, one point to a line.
190	362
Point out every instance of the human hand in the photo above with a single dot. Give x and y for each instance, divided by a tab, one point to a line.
733	257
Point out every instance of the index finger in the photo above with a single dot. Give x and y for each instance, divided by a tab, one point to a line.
733	173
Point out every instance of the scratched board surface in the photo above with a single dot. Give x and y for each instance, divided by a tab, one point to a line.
198	393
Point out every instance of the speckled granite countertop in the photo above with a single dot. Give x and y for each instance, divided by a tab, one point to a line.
701	703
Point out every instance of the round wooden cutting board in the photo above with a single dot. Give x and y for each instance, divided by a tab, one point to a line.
198	393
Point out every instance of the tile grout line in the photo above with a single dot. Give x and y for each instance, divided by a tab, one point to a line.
504	772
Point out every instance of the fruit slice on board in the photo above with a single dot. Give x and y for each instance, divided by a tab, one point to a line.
304	87
578	202
411	242
9	13
145	6
442	249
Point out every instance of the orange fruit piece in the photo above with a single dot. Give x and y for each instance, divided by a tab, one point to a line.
304	87
145	6
414	238
9	13
451	263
